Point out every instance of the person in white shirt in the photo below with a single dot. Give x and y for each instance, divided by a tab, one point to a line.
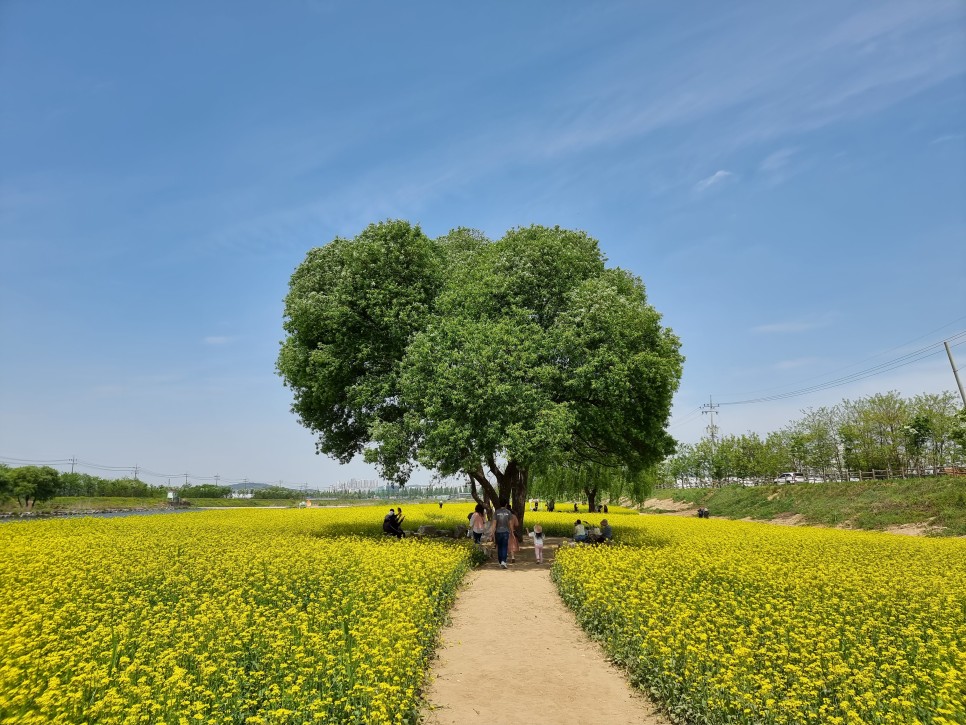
537	536
478	523
580	532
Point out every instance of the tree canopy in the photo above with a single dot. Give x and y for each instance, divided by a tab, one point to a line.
487	358
30	484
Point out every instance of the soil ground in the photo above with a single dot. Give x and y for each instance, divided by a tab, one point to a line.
545	669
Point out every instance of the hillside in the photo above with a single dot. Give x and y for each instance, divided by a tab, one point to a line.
935	506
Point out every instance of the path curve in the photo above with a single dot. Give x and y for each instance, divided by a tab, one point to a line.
558	675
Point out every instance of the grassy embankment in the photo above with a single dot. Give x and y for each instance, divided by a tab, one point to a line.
936	502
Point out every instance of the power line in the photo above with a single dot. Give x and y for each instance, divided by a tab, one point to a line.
64	461
138	471
908	359
865	359
688	417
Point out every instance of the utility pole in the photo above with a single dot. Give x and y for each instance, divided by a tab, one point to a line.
217	478
959	382
186	479
73	460
136	469
710	408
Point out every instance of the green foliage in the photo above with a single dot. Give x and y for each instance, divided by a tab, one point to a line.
593	482
881	432
957	429
205	490
276	492
32	483
352	308
6	483
478	555
487	358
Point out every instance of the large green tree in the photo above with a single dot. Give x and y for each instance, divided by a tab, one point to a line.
477	357
30	484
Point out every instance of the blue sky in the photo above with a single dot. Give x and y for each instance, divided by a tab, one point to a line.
789	180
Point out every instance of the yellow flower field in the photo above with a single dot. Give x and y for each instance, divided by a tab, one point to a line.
217	617
263	616
733	622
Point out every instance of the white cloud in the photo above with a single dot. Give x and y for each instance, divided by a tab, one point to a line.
796	363
717	177
777	161
946	138
789	326
217	340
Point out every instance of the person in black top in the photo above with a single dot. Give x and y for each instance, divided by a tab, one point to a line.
390	525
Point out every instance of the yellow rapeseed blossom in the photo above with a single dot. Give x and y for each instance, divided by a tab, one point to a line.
244	616
734	622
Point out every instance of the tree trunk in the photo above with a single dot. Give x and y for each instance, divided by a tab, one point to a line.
474	493
520	499
512	485
591	499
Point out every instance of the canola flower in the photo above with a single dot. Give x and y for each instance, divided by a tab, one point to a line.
243	616
734	622
368	519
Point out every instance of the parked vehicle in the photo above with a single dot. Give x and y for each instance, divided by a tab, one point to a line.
790	478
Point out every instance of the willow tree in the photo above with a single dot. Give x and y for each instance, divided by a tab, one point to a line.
593	483
476	357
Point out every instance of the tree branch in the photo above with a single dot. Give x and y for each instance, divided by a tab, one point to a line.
473	491
495	470
480	478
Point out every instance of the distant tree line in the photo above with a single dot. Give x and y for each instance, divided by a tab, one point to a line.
391	491
29	484
882	432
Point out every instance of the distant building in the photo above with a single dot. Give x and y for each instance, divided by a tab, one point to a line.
358	485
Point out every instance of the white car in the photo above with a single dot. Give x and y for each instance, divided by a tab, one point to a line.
790	478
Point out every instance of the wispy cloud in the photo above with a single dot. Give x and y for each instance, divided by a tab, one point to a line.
870	60
947	137
718	177
777	161
800	362
217	340
786	327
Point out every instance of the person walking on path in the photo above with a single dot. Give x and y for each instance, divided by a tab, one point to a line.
515	536
501	531
478	524
537	536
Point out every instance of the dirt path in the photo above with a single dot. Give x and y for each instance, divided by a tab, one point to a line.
555	675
